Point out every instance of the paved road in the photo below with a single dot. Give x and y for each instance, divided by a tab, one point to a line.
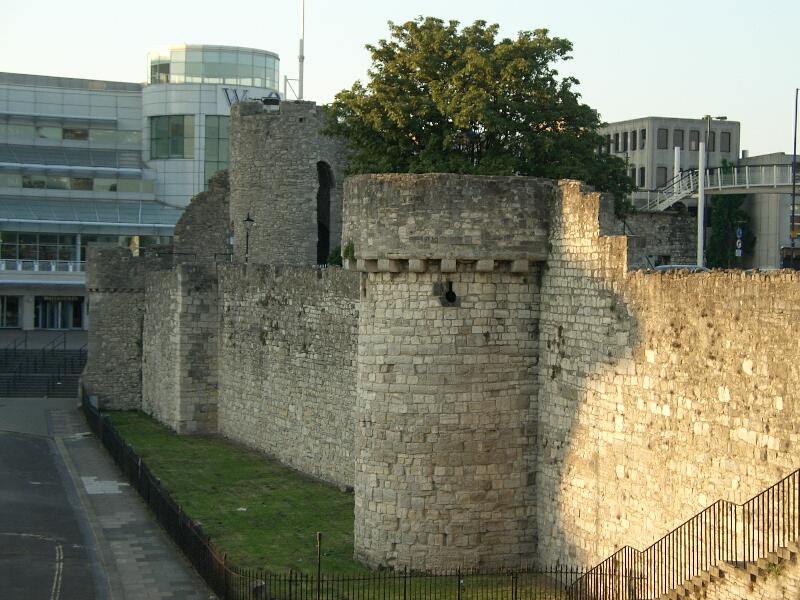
70	527
42	551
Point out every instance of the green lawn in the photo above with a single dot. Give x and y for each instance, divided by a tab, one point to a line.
212	479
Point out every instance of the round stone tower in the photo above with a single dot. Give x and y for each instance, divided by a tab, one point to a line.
446	359
287	176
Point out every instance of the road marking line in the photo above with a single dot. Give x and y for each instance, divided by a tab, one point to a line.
55	593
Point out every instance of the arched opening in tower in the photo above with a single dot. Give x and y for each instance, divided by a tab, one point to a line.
325	180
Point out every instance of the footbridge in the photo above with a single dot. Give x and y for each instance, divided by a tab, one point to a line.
748	179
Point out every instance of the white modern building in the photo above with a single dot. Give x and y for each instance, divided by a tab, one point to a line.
648	146
661	151
85	161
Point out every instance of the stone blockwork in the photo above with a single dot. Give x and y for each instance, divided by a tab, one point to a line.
115	286
447	216
659	393
276	160
443	419
778	581
287	365
669	237
203	231
447	351
180	348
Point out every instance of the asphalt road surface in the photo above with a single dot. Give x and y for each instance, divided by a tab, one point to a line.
42	551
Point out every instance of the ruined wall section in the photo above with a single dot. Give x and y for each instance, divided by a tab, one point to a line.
274	179
665	237
447	353
180	348
115	287
202	234
287	365
161	347
658	393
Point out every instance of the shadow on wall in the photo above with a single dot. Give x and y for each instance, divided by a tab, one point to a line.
659	393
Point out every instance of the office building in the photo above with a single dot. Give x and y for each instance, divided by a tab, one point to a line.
86	161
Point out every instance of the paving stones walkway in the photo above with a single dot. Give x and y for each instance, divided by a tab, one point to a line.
130	556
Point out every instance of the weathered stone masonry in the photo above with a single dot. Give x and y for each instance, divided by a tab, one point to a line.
446	356
287	365
658	393
180	333
490	373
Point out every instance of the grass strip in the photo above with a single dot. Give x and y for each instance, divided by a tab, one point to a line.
260	513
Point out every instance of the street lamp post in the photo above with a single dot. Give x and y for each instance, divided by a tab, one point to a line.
248	225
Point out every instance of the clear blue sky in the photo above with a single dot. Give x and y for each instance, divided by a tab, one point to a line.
633	58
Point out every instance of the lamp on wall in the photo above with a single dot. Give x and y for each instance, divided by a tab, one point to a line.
248	225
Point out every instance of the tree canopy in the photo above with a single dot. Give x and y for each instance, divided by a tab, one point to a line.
440	99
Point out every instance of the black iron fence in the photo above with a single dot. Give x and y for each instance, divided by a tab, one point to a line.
231	582
722	533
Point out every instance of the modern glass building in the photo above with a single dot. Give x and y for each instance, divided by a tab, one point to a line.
85	161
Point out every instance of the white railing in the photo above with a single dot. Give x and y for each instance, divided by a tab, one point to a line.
731	180
41	266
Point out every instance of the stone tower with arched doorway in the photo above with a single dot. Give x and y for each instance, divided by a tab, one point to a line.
287	176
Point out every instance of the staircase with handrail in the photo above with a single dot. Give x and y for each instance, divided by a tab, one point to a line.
749	179
723	537
52	370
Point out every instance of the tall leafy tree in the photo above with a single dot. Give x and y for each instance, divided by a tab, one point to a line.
444	99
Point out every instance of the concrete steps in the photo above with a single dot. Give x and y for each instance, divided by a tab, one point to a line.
37	373
751	570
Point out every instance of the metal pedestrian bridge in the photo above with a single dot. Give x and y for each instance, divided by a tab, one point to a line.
748	179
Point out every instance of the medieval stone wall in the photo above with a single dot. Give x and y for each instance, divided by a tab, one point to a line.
161	343
447	349
670	238
180	348
115	286
447	216
202	232
659	393
287	365
275	156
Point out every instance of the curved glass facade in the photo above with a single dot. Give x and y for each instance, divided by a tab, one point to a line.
214	64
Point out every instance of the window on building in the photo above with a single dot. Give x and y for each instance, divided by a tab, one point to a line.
81	183
172	136
42	246
641	177
10	180
633	175
624	141
76	133
661	139
9	311
159	72
608	144
57	182
217	144
38	182
712	141
633	140
616	142
642	138
17	131
661	176
47	132
677	138
694	140
725	141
